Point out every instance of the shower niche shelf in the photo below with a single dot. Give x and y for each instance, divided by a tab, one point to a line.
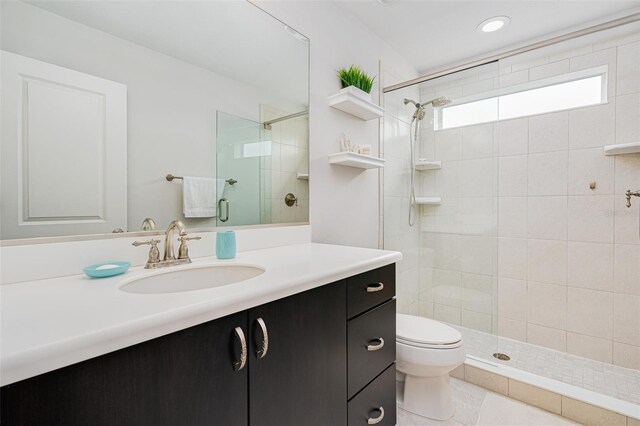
361	161
623	148
355	105
428	165
429	201
302	176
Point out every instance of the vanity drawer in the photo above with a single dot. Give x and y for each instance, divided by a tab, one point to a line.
370	289
379	394
371	345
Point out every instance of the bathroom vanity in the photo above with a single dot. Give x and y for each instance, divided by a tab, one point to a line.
311	346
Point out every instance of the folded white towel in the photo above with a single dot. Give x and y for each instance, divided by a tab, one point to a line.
200	196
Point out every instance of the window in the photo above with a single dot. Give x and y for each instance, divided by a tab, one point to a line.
580	89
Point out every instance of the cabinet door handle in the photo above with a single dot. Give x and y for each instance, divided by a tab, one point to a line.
374	420
239	364
264	347
377	346
373	287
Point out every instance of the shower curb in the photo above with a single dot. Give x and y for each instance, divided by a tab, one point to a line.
569	401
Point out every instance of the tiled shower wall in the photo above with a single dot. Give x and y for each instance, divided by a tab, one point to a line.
397	233
521	245
279	171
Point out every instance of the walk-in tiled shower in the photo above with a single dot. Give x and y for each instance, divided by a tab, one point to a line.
522	232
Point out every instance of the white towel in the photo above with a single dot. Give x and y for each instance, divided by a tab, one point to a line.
200	196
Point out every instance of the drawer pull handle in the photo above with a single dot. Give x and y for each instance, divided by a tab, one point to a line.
239	364
375	420
377	346
260	353
373	287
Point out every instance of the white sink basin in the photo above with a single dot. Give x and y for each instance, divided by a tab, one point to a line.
193	278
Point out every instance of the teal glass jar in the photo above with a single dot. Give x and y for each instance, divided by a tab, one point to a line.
225	244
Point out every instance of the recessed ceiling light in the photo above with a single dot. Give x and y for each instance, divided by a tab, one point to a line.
493	24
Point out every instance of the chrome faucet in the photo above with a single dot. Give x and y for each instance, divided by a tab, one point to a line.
169	258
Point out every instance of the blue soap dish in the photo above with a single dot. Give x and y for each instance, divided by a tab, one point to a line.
108	269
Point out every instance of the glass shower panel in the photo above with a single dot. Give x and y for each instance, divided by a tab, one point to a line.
242	146
450	267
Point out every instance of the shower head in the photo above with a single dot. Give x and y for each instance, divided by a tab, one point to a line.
439	102
407	101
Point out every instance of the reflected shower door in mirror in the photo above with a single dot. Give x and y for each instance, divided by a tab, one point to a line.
103	100
263	167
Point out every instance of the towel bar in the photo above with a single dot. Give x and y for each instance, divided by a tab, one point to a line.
171	177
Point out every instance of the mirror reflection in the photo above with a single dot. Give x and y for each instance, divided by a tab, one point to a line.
123	116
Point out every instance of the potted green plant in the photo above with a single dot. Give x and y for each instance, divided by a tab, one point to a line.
356	82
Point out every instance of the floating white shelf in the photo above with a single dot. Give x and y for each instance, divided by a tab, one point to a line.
351	159
428	165
302	176
431	201
355	105
623	148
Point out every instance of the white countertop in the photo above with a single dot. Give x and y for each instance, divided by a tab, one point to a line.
52	323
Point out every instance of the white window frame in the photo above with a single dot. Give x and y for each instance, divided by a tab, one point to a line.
601	71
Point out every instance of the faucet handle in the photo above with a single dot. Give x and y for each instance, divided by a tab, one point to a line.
183	250
154	252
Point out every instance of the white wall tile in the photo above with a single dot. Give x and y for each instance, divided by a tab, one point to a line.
626	319
477	177
478	141
547	174
447	314
628	77
512	329
591	218
547	218
512	258
589	165
590	312
549	70
627	173
549	132
628	118
512	217
590	347
627	221
512	176
513	137
590	265
601	57
547	261
626	355
592	126
477	254
546	304
547	337
448	145
512	299
626	276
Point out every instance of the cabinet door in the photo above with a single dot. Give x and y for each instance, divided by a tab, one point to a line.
300	377
184	378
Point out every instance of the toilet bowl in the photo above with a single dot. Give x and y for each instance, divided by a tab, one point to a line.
426	351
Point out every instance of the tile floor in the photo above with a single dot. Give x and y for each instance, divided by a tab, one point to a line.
476	406
607	379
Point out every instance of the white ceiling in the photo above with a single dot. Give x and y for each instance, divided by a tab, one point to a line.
436	33
232	38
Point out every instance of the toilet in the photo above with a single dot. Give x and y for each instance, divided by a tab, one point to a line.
426	351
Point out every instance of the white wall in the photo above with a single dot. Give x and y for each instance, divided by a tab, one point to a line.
171	104
345	203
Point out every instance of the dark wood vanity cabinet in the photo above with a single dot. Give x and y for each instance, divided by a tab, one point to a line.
301	354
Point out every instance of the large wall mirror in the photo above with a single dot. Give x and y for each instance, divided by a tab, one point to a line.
123	116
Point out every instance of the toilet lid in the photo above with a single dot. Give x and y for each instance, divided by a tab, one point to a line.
421	331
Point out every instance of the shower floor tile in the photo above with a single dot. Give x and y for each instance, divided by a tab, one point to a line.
618	382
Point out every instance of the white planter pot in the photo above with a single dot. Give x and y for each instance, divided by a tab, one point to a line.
357	92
